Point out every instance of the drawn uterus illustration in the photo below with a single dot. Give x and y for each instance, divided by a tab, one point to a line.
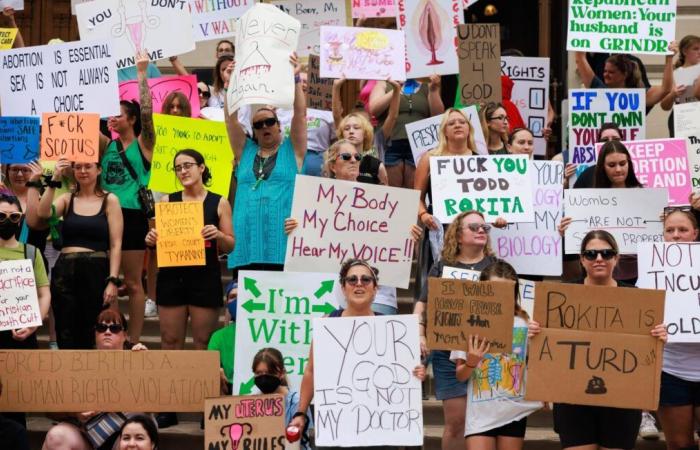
134	21
428	22
235	433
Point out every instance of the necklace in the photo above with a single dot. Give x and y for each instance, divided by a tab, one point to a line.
263	169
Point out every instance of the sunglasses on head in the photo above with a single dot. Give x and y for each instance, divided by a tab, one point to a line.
349	156
354	280
13	217
113	328
668	210
270	121
606	253
475	227
205	94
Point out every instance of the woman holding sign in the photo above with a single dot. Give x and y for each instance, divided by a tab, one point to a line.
494	122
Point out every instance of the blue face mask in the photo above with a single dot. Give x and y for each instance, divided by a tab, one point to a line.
232	309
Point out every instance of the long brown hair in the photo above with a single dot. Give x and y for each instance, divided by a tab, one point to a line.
501	269
274	361
450	249
686	42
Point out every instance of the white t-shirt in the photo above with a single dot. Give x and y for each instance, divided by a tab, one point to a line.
497	386
682	360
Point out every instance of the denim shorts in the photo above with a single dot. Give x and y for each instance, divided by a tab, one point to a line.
678	392
447	385
313	163
398	151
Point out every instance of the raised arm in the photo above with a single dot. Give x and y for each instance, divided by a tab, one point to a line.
434	99
10	14
32	216
297	131
379	99
584	69
180	69
393	113
43	205
657	93
337	102
147	138
236	133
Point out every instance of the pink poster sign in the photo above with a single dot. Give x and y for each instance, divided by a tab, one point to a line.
160	88
374	8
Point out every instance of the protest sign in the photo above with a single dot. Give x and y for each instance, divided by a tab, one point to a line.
17	5
342	219
362	53
479	56
496	186
364	389
246	422
7	37
180	241
374	8
630	215
686	76
19	303
72	77
530	93
459	308
535	248
216	20
76	2
423	135
456	273
319	94
431	42
107	380
591	108
276	309
600	369
159	27
314	14
73	136
686	125
161	88
621	26
207	137
19	139
263	75
674	268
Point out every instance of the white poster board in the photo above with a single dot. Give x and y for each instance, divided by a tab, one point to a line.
364	389
686	76
17	5
674	267
72	77
630	215
19	303
686	121
313	14
217	20
338	220
497	186
535	248
276	309
76	2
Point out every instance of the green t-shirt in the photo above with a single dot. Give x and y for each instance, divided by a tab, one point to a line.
222	340
13	254
116	178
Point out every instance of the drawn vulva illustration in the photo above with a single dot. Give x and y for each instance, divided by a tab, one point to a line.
430	20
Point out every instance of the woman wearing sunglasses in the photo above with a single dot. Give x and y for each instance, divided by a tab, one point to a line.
20	179
598	427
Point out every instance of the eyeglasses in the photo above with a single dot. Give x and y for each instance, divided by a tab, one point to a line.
354	280
20	169
184	166
606	253
349	156
13	217
205	94
113	328
270	121
475	227
501	117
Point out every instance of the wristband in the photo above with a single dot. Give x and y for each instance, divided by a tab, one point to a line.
114	280
300	414
420	216
297	79
34	184
54	184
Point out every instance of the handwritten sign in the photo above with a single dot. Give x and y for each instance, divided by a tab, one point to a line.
319	94
459	308
630	215
673	267
600	369
535	248
374	8
76	2
244	422
180	241
160	88
364	389
423	135
342	219
207	137
216	20
19	139
71	77
496	186
530	94
591	108
362	53
74	136
686	76
159	27
479	56
686	125
19	303
621	27
314	14
430	36
107	380
275	309
7	37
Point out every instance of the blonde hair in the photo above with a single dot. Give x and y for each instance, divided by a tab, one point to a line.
367	130
331	155
450	249
442	138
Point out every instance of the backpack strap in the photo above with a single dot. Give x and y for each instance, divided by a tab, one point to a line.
30	253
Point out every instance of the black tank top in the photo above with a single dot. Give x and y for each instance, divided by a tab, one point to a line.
86	231
211	217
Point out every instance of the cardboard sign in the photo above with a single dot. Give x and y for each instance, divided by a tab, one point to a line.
265	39
19	139
275	309
216	20
530	93
244	422
314	14
73	136
7	37
591	108
19	303
320	91
686	125
160	88
457	309
207	137
180	241
535	248
374	8
423	135
362	53
363	371
630	215
430	36
479	56
17	5
159	27
72	77
600	369
686	76
673	267
496	186
341	219
107	380
621	26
